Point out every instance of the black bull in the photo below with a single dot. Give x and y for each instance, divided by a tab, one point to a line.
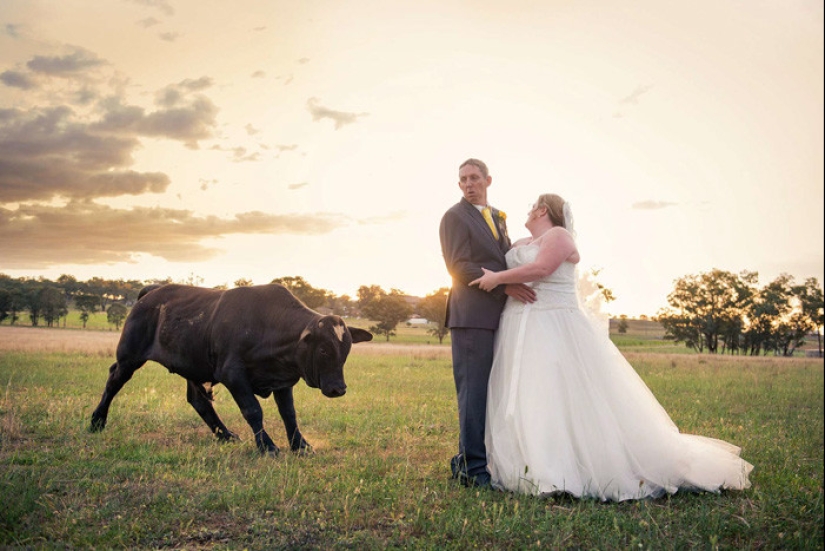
254	340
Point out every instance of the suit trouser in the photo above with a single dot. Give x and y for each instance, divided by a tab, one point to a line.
472	361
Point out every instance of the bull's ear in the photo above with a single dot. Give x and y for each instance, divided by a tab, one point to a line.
359	335
306	336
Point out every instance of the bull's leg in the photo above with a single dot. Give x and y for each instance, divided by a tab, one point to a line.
241	391
200	397
286	407
119	373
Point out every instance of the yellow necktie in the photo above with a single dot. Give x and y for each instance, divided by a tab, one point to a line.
488	216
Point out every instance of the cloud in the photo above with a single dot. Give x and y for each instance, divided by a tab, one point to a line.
239	154
83	148
74	141
45	154
35	237
17	79
340	118
652	205
148	22
175	93
633	98
12	30
78	61
168	36
75	76
187	123
162	5
281	147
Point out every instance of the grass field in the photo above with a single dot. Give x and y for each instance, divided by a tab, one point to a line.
379	476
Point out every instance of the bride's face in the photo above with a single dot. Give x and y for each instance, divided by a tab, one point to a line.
533	213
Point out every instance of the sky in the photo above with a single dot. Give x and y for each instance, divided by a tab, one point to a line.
257	139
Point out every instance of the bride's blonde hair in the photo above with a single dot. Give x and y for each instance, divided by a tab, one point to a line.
555	207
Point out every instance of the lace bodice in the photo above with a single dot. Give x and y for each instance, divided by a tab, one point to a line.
558	290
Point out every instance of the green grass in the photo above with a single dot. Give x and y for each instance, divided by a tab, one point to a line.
379	476
98	321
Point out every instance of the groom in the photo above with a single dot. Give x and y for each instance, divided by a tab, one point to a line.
474	235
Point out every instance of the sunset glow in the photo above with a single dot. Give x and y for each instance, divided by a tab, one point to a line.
257	139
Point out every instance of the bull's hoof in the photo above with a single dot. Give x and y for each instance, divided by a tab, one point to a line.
97	424
304	450
227	436
271	452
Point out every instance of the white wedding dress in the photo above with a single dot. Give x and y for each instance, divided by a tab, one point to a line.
566	413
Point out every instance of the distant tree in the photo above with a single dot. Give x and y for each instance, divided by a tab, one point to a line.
52	303
434	308
811	302
386	309
16	300
792	325
702	307
342	305
69	284
124	291
5	304
193	280
86	304
32	299
368	293
96	286
243	282
115	314
767	305
621	326
306	293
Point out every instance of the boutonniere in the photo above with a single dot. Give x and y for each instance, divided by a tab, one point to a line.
501	216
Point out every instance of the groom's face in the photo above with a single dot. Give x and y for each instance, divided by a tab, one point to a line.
473	184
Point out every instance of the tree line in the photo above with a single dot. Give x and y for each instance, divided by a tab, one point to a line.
717	311
46	302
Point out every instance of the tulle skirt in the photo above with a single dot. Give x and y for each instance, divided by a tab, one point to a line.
566	413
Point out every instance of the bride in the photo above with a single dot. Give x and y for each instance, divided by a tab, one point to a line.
566	413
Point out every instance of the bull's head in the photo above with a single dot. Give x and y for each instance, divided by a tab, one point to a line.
323	349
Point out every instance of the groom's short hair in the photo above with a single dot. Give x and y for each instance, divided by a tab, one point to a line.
478	164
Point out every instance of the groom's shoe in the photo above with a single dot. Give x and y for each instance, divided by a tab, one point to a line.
481	480
457	466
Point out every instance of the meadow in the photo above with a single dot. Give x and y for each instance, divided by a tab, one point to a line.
379	475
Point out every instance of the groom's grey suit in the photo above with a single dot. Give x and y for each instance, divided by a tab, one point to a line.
468	244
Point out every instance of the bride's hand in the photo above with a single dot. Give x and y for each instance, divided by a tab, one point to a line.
487	282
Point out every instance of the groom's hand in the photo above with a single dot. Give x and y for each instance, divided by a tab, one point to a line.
520	292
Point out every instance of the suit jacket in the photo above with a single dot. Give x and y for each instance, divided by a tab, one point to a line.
468	245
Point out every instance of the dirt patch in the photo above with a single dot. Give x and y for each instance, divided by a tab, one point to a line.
42	339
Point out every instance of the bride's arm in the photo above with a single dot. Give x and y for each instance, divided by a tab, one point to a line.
555	247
